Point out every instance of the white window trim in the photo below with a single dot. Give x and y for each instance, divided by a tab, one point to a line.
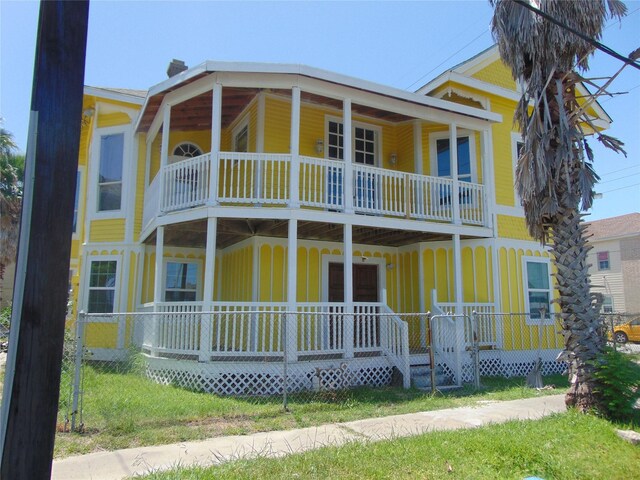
433	151
87	280
237	129
173	158
376	128
608	261
516	137
165	272
92	197
549	320
81	203
382	277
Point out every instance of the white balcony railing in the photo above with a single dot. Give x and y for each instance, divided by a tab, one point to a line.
265	179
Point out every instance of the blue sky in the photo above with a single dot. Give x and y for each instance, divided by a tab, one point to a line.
401	44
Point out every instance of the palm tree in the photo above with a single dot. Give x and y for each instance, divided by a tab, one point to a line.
11	176
554	175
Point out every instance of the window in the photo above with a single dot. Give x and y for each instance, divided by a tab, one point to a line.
607	304
181	283
336	140
110	179
538	286
76	202
187	150
603	261
443	156
102	286
365	146
516	149
241	139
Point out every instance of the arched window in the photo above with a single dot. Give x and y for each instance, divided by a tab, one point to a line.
187	150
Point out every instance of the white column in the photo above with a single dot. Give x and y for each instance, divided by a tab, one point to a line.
164	152
348	291
294	171
417	147
292	281
488	180
459	321
453	158
260	123
421	297
216	132
206	321
348	149
157	289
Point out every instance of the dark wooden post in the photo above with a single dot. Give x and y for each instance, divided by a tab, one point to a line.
33	367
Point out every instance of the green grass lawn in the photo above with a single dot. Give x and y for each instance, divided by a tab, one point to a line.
563	446
123	410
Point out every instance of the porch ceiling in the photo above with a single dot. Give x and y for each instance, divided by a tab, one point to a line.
195	113
233	230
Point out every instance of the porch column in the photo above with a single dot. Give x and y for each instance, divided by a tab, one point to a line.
489	199
459	322
291	339
421	298
157	289
348	336
164	152
206	322
418	200
348	165
453	157
216	127
294	171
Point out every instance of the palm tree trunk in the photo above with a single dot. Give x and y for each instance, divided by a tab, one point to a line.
580	320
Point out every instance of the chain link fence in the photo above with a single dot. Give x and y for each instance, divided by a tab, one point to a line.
315	353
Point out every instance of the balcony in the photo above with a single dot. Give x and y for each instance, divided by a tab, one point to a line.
265	179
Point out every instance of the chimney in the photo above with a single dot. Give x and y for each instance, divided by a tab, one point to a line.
175	67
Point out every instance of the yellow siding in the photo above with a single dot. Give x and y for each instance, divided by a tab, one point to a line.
111	230
237	272
498	74
112	119
201	138
512	227
277	125
156	147
404	148
140	187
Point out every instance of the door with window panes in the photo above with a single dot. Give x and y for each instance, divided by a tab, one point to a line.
364	153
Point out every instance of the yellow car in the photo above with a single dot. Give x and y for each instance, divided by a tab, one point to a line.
626	332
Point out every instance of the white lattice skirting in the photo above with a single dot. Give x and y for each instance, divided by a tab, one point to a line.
267	378
515	363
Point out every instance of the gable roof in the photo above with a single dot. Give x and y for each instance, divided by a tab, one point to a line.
463	73
621	226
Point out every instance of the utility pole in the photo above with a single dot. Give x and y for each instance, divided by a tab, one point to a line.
32	379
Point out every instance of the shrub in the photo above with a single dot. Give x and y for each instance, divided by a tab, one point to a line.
5	317
618	379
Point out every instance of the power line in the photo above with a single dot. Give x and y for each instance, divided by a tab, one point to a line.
621	188
620	170
620	178
584	37
447	59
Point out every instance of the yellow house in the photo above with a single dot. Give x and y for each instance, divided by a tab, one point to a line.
282	196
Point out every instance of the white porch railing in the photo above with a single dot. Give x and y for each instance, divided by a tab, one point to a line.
264	178
253	178
151	201
186	183
488	329
394	337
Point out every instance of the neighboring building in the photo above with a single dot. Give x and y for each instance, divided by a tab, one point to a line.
231	187
615	262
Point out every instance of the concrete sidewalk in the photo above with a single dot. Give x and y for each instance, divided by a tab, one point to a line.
123	463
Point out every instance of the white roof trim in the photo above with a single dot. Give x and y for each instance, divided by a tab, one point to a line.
111	95
292	69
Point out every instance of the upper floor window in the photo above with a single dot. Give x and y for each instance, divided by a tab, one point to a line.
516	150
443	158
187	150
102	286
603	261
336	140
365	142
538	286
241	138
110	172
181	282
